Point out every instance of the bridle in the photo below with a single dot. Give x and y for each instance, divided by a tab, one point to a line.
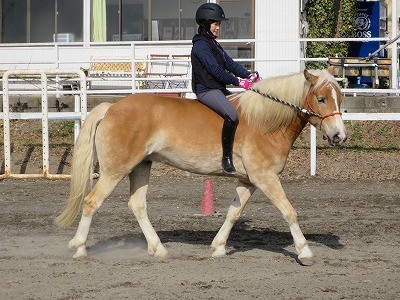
310	111
310	93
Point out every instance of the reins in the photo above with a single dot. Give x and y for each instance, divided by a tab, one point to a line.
295	107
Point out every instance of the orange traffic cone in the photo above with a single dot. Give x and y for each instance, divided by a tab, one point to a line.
207	208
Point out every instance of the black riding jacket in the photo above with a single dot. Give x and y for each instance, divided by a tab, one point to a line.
212	67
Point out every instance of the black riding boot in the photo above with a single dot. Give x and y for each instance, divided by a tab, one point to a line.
228	136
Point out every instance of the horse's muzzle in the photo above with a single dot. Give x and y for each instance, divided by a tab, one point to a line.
337	139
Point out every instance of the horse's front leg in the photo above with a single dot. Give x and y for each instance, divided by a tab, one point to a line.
272	188
243	194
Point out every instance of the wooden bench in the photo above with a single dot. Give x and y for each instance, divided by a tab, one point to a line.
113	69
173	70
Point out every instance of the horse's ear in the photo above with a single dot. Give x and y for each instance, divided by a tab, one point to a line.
331	69
310	77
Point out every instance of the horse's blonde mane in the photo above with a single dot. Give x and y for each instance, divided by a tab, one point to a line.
268	114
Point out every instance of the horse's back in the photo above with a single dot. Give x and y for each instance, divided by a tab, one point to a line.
146	103
167	129
155	111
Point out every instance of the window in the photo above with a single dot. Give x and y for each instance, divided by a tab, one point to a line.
69	16
166	20
132	20
240	26
188	17
126	20
174	19
239	13
46	21
41	21
10	12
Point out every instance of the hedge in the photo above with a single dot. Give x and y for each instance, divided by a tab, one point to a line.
329	19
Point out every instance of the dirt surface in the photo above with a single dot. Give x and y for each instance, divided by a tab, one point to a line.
349	213
351	225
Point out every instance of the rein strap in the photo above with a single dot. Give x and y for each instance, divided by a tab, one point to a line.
295	107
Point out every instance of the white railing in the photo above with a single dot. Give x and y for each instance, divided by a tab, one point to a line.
62	59
78	115
76	55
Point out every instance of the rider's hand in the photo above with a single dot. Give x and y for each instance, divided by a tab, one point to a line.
255	77
245	83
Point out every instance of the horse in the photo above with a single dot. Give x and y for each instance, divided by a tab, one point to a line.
132	133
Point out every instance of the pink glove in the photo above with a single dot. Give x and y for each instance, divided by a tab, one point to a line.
255	77
245	83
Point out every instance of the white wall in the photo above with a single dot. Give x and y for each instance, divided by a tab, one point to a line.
277	29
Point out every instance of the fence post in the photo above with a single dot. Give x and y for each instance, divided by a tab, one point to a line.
83	95
313	150
133	67
6	126
45	125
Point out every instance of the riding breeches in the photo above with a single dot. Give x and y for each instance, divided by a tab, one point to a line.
218	102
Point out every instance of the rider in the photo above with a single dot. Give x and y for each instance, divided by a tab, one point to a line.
212	70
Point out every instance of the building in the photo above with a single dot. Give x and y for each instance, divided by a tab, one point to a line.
264	34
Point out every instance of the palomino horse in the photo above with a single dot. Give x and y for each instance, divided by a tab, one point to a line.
137	130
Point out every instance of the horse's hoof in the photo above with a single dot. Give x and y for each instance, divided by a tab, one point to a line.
219	253
80	252
306	261
160	251
71	244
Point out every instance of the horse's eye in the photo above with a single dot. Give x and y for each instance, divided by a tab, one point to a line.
321	99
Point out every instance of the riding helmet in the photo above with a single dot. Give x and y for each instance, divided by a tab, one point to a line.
209	11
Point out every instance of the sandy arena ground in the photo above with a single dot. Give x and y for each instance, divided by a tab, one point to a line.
350	219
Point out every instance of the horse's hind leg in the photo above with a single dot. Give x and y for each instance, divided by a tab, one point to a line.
139	183
92	203
243	194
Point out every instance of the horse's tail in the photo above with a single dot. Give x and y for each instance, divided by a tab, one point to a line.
82	166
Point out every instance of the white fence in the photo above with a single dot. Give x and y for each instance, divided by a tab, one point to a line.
79	55
67	57
79	114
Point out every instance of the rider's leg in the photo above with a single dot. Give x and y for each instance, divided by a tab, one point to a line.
218	102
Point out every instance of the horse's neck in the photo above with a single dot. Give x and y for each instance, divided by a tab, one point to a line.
293	130
296	127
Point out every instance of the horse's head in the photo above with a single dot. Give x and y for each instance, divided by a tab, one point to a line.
324	99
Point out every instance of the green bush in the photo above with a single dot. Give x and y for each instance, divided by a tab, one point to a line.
329	19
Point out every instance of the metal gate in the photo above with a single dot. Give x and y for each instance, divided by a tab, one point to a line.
78	115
